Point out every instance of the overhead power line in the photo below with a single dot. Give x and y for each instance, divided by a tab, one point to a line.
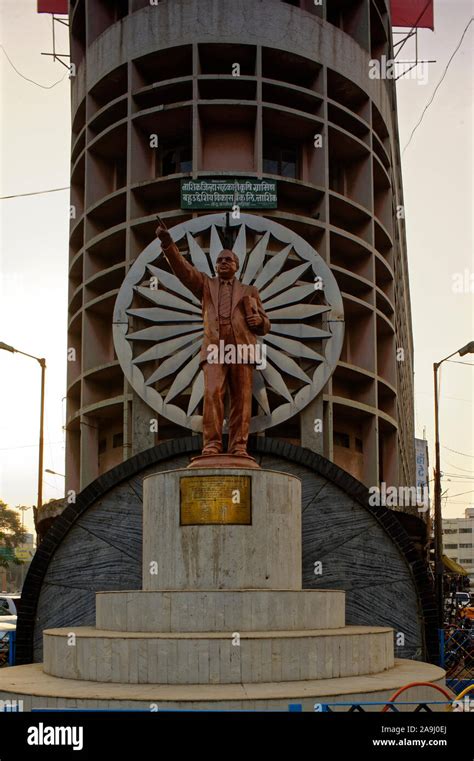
34	193
457	467
28	446
44	87
52	486
455	452
460	476
438	85
451	398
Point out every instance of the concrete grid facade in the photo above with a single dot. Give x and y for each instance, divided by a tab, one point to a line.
458	541
143	69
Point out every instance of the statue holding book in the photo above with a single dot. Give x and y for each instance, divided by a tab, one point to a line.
233	316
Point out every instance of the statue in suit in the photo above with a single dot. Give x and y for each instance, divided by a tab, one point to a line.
233	316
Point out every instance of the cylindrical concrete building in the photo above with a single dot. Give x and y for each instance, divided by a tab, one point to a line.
183	89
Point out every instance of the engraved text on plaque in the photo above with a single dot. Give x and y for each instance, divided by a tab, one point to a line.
215	500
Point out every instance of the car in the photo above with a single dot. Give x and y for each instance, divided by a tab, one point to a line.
9	605
7	631
463	598
7	624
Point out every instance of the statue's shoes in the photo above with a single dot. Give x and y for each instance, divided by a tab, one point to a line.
241	453
211	450
223	460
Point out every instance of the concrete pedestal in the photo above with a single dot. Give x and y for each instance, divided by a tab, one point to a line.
222	621
266	554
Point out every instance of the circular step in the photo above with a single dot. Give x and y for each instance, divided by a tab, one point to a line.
220	610
216	657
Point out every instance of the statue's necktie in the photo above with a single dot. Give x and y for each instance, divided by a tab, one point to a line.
225	299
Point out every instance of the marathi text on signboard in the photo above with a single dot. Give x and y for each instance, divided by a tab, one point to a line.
421	455
224	193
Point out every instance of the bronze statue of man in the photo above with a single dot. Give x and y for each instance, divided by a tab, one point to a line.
233	316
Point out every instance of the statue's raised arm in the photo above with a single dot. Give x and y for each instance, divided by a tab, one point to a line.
189	275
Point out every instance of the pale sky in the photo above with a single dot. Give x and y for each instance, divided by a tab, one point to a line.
34	156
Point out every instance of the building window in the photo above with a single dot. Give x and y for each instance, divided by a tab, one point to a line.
465	546
466	561
337	177
280	159
102	445
465	530
176	159
121	9
119	173
117	440
333	15
451	546
450	531
341	439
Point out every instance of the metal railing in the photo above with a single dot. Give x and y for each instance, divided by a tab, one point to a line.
457	656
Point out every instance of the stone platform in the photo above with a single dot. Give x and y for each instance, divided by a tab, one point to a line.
222	622
39	690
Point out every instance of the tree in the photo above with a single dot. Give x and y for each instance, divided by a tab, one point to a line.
11	535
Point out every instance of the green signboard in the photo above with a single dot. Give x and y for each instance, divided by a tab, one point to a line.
225	192
7	553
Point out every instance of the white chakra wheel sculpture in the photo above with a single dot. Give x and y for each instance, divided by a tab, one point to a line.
158	327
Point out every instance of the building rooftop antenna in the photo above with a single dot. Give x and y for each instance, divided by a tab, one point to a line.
56	8
409	19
